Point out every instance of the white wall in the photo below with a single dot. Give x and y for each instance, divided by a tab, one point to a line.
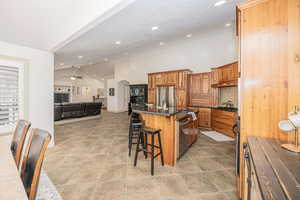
118	102
204	50
62	77
40	83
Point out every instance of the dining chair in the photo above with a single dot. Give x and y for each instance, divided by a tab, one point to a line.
19	136
33	161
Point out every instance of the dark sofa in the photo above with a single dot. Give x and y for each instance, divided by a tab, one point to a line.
75	110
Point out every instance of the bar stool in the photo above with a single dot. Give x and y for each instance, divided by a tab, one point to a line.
135	126
144	134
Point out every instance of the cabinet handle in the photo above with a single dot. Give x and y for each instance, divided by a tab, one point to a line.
297	58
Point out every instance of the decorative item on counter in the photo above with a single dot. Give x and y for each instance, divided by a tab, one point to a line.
193	115
228	104
290	125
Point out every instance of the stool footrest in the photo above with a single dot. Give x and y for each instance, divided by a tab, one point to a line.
154	146
157	154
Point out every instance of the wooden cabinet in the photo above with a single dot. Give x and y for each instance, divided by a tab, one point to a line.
225	76
269	51
200	91
151	81
177	78
223	121
151	95
203	117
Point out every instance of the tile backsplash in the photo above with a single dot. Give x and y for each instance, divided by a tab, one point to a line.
229	93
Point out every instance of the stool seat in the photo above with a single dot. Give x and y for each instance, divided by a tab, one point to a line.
151	130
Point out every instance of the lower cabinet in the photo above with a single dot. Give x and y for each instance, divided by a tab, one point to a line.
203	117
223	121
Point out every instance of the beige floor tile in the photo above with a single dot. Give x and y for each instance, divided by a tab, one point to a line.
90	161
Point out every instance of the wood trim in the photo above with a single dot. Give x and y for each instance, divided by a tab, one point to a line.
179	70
37	170
226	65
20	144
250	3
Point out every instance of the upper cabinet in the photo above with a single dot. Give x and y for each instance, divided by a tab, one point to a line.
225	76
200	90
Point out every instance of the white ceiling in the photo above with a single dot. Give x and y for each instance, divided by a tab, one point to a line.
45	24
132	26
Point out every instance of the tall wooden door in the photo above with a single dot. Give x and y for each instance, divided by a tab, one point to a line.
269	38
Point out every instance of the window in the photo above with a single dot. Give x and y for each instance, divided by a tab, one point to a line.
11	94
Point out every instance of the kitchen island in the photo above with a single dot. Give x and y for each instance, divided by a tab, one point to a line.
168	121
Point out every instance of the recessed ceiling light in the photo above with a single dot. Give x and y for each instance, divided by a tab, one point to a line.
161	43
189	35
61	64
154	28
227	25
105	59
219	3
118	42
73	78
80	57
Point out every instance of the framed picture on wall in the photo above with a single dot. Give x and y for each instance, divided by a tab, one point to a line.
111	91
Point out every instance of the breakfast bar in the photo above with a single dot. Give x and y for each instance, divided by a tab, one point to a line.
167	121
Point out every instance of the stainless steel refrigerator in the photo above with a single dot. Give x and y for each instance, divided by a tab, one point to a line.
165	96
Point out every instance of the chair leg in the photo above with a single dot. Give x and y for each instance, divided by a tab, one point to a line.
130	142
161	150
143	143
137	149
146	145
152	154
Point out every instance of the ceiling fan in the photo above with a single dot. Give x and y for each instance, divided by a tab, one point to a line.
74	77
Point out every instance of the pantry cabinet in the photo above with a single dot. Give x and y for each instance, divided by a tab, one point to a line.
269	62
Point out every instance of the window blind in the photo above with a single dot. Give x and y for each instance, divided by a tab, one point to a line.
9	95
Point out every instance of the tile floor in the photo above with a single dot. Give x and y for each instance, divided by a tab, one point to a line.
90	162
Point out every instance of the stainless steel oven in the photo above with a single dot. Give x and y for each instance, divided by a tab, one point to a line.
183	140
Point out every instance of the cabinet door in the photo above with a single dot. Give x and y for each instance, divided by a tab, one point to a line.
182	80
151	81
151	95
158	79
181	98
171	78
200	89
215	76
204	116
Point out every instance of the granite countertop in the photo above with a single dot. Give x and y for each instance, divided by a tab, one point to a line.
152	109
231	109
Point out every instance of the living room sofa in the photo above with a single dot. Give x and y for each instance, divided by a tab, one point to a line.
76	110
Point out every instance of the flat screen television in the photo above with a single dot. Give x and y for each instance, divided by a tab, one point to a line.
61	97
